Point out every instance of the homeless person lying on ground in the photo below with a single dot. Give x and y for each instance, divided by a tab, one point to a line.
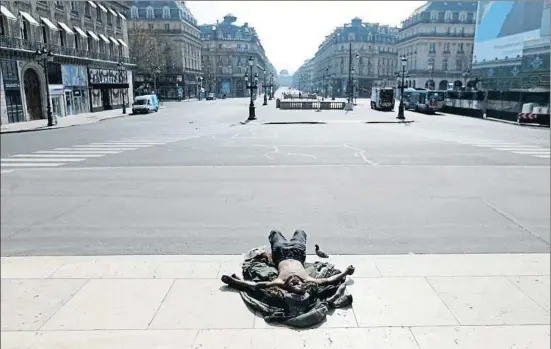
295	286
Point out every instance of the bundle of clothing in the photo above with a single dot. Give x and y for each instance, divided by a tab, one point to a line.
279	306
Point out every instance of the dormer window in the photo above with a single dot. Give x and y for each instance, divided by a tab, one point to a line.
166	12
149	12
133	12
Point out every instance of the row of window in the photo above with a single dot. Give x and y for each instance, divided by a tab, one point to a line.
167	28
460	65
166	14
64	36
90	7
446	48
434	30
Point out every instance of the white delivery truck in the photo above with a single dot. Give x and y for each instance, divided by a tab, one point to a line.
382	98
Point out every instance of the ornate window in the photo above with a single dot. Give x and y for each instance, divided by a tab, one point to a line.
149	12
133	12
166	12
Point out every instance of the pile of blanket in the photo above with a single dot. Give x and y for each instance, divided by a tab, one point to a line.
278	307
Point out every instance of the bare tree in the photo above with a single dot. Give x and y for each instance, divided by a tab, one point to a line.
151	50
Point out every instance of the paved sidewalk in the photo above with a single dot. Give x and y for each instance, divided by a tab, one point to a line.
66	121
405	302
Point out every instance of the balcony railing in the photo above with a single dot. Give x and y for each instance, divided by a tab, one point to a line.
20	44
436	35
410	24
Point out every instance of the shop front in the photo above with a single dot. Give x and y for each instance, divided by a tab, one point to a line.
75	87
108	87
57	100
11	93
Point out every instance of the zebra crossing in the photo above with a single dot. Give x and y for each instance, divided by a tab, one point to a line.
78	153
511	147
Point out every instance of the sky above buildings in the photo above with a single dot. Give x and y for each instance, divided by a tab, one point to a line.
291	31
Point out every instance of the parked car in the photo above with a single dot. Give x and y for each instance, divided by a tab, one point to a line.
211	97
145	104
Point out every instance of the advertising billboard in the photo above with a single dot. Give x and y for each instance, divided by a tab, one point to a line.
504	29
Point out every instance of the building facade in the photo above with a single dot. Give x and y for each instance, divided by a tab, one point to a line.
226	51
437	41
511	46
284	78
374	60
168	48
89	69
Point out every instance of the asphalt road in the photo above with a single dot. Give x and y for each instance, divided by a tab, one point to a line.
192	180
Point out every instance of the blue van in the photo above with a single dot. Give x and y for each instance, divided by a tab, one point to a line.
145	104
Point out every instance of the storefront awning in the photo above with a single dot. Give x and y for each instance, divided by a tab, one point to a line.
93	35
113	12
66	28
93	4
104	38
29	18
114	41
7	13
80	31
123	43
121	15
48	23
102	7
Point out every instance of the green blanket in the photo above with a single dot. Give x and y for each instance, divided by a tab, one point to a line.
276	306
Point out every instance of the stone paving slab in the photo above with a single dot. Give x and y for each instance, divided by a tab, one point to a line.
400	301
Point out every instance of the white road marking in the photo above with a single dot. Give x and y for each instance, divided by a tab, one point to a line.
534	151
130	144
360	154
276	150
542	156
30	165
96	149
134	146
518	149
39	160
211	167
491	145
91	152
6	171
70	155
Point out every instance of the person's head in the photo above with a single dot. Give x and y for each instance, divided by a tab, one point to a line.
295	284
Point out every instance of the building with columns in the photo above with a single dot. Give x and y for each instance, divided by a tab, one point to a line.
437	40
174	30
88	69
374	60
226	51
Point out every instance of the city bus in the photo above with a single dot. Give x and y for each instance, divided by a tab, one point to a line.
423	100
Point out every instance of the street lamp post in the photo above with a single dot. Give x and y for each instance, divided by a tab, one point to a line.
334	77
200	86
271	86
264	86
431	68
43	57
122	70
350	71
401	116
251	85
325	78
157	72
